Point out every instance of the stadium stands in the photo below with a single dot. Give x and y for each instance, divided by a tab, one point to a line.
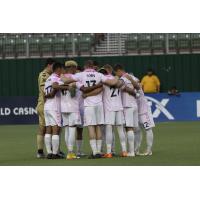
63	44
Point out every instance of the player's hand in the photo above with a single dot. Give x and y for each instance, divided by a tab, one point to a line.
84	95
100	84
128	77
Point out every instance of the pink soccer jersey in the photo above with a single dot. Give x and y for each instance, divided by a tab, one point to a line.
88	78
112	97
142	102
69	104
52	103
128	100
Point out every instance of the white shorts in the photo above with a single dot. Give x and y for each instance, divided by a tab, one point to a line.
131	117
52	118
71	119
93	115
114	117
146	120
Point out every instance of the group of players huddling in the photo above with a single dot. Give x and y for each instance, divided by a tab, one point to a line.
98	99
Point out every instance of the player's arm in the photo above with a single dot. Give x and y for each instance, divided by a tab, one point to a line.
56	86
67	80
133	82
120	83
92	93
91	88
130	91
111	82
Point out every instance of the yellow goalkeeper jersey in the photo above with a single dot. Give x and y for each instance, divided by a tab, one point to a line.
43	76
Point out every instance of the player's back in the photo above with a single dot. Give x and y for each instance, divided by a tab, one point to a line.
89	78
142	102
52	103
112	97
127	99
69	103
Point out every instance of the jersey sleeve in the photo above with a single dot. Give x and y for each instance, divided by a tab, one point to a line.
79	84
77	77
103	78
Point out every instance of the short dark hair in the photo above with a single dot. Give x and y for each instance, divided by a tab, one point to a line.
150	70
49	61
89	63
79	68
95	63
56	66
118	67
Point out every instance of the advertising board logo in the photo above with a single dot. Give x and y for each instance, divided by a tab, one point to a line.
160	107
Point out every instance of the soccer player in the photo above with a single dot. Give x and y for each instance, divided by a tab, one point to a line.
113	111
52	112
79	136
43	76
70	109
130	108
93	105
145	119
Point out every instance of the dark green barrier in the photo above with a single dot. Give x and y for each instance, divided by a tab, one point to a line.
19	77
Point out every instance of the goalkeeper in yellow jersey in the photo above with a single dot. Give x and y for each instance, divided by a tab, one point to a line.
43	76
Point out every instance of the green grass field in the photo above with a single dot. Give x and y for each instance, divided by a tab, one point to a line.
175	144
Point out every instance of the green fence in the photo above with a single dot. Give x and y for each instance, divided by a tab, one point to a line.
19	77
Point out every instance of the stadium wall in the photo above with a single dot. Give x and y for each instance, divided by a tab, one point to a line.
18	77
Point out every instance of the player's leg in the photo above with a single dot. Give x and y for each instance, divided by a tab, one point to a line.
41	132
48	141
138	140
92	137
99	111
79	141
79	136
109	140
56	124
55	141
48	134
120	129
128	112
109	122
148	124
149	141
103	133
113	142
65	123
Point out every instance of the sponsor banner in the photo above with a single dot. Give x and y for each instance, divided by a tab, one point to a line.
18	110
186	107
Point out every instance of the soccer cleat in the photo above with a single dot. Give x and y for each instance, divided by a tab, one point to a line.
114	154
124	154
96	156
49	156
137	153
57	156
107	155
81	154
40	154
147	153
61	154
71	156
131	154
